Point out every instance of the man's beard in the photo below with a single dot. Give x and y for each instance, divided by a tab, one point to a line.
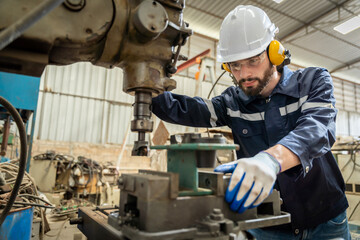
262	83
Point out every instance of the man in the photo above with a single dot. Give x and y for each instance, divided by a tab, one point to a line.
284	122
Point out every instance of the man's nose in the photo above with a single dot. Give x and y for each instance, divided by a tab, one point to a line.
245	72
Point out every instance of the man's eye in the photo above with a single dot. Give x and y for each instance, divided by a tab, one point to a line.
253	61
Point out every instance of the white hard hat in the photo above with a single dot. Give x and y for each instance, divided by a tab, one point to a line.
245	32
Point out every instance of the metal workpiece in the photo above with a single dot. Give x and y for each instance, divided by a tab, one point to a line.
204	158
192	151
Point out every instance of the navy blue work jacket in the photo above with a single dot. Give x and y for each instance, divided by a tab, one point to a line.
300	115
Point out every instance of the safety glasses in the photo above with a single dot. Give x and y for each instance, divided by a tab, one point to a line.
251	62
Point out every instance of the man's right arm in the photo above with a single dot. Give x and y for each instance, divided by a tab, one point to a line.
184	110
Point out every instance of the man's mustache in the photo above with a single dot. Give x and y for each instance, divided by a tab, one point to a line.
249	79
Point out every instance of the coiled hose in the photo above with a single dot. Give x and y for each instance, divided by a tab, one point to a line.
22	162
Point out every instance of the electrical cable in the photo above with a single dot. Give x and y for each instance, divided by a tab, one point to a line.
212	88
207	129
217	80
35	197
23	153
352	213
353	160
28	185
32	204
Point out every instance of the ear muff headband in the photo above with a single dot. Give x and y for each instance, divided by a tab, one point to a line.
276	52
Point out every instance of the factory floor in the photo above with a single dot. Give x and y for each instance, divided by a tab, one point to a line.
62	230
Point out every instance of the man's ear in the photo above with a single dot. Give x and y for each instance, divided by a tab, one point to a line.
234	80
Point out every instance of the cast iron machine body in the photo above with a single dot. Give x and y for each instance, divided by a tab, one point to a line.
182	203
143	37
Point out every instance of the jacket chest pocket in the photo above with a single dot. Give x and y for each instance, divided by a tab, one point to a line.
250	135
248	130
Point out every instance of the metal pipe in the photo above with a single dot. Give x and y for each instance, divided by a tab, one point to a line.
9	34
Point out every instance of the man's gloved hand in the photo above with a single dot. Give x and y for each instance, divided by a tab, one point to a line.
252	180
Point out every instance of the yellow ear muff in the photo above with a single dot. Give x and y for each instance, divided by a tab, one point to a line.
225	67
276	53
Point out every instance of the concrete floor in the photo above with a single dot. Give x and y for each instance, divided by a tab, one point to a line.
67	231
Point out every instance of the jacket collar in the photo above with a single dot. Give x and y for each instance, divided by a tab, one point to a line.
287	86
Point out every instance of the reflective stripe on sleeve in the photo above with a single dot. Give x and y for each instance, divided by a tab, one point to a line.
292	107
213	117
303	105
247	116
308	105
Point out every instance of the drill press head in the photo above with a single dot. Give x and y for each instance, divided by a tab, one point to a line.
149	59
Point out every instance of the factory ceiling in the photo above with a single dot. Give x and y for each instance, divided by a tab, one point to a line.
306	29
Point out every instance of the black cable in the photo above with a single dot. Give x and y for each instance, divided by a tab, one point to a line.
33	204
207	129
34	197
352	159
213	86
23	152
354	210
12	32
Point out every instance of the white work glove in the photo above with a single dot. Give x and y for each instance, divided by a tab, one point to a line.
252	180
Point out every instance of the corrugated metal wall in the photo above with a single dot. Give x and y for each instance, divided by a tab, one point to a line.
85	103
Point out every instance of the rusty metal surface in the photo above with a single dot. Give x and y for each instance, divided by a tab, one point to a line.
148	211
94	225
173	178
152	210
213	181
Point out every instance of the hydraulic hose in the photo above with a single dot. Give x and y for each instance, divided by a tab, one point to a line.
23	152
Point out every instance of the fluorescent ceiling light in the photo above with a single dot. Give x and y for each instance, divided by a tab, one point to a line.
278	1
349	25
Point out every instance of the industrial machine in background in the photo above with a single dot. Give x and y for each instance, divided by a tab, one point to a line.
22	91
144	38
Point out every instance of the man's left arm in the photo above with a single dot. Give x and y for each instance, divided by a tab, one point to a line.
314	133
